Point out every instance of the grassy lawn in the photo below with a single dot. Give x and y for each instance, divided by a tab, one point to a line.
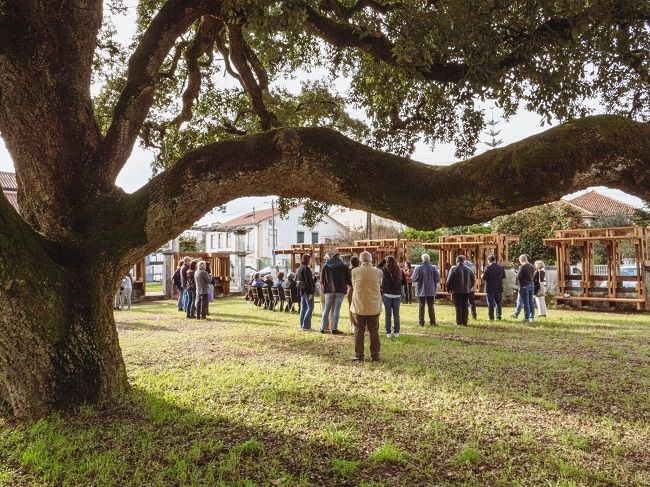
246	399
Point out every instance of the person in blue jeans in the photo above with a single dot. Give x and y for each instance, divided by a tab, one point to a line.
392	281
307	288
336	277
527	287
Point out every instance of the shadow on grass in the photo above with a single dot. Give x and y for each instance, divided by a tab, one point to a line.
141	326
148	440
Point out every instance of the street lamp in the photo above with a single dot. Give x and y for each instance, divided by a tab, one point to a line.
241	252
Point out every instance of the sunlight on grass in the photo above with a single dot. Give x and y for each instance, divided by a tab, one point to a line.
245	398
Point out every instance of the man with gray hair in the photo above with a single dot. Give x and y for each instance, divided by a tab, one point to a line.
366	306
426	276
202	279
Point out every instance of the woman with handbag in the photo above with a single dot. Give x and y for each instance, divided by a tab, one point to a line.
539	281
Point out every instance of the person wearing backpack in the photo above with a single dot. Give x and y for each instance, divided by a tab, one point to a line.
307	288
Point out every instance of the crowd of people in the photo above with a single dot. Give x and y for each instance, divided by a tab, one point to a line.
370	289
195	286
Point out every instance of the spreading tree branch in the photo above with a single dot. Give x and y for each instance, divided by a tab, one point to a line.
241	55
135	100
202	44
324	165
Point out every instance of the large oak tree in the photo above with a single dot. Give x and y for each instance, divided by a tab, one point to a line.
417	68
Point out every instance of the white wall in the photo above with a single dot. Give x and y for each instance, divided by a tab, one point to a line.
260	243
356	219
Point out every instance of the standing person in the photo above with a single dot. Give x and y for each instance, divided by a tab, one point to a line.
426	277
354	263
127	284
460	282
493	277
527	287
366	306
176	280
539	281
117	304
186	267
202	282
471	299
392	281
408	289
335	279
190	290
307	288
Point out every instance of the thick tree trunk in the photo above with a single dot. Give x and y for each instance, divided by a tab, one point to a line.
59	344
80	361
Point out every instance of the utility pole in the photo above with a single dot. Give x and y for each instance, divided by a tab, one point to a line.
273	242
369	225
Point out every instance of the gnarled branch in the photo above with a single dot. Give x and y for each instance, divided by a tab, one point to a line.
174	18
239	55
324	165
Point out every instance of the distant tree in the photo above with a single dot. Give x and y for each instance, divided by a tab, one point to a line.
619	219
187	243
641	216
468	229
533	225
421	235
493	133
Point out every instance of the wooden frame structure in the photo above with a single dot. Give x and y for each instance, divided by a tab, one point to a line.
589	290
476	248
380	249
219	265
316	251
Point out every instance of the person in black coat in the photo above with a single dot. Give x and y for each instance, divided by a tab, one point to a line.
493	277
460	282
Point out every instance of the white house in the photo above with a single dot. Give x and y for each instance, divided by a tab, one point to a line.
356	219
259	224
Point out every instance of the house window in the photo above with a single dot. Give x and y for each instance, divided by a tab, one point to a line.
301	220
314	237
212	241
220	241
300	237
227	240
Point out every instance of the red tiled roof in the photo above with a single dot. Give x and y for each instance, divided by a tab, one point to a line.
12	196
8	181
594	203
9	187
250	218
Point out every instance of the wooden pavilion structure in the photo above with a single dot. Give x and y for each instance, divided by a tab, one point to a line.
476	248
380	249
316	251
591	287
219	265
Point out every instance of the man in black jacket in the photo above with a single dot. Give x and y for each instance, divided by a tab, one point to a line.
460	282
493	277
336	278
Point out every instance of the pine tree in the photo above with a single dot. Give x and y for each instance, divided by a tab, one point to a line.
493	143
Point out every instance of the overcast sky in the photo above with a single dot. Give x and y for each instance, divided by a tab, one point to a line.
137	170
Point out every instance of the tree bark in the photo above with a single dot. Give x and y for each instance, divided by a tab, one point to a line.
322	164
59	344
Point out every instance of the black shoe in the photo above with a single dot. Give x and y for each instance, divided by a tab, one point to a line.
375	359
322	331
356	359
434	324
337	332
421	324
